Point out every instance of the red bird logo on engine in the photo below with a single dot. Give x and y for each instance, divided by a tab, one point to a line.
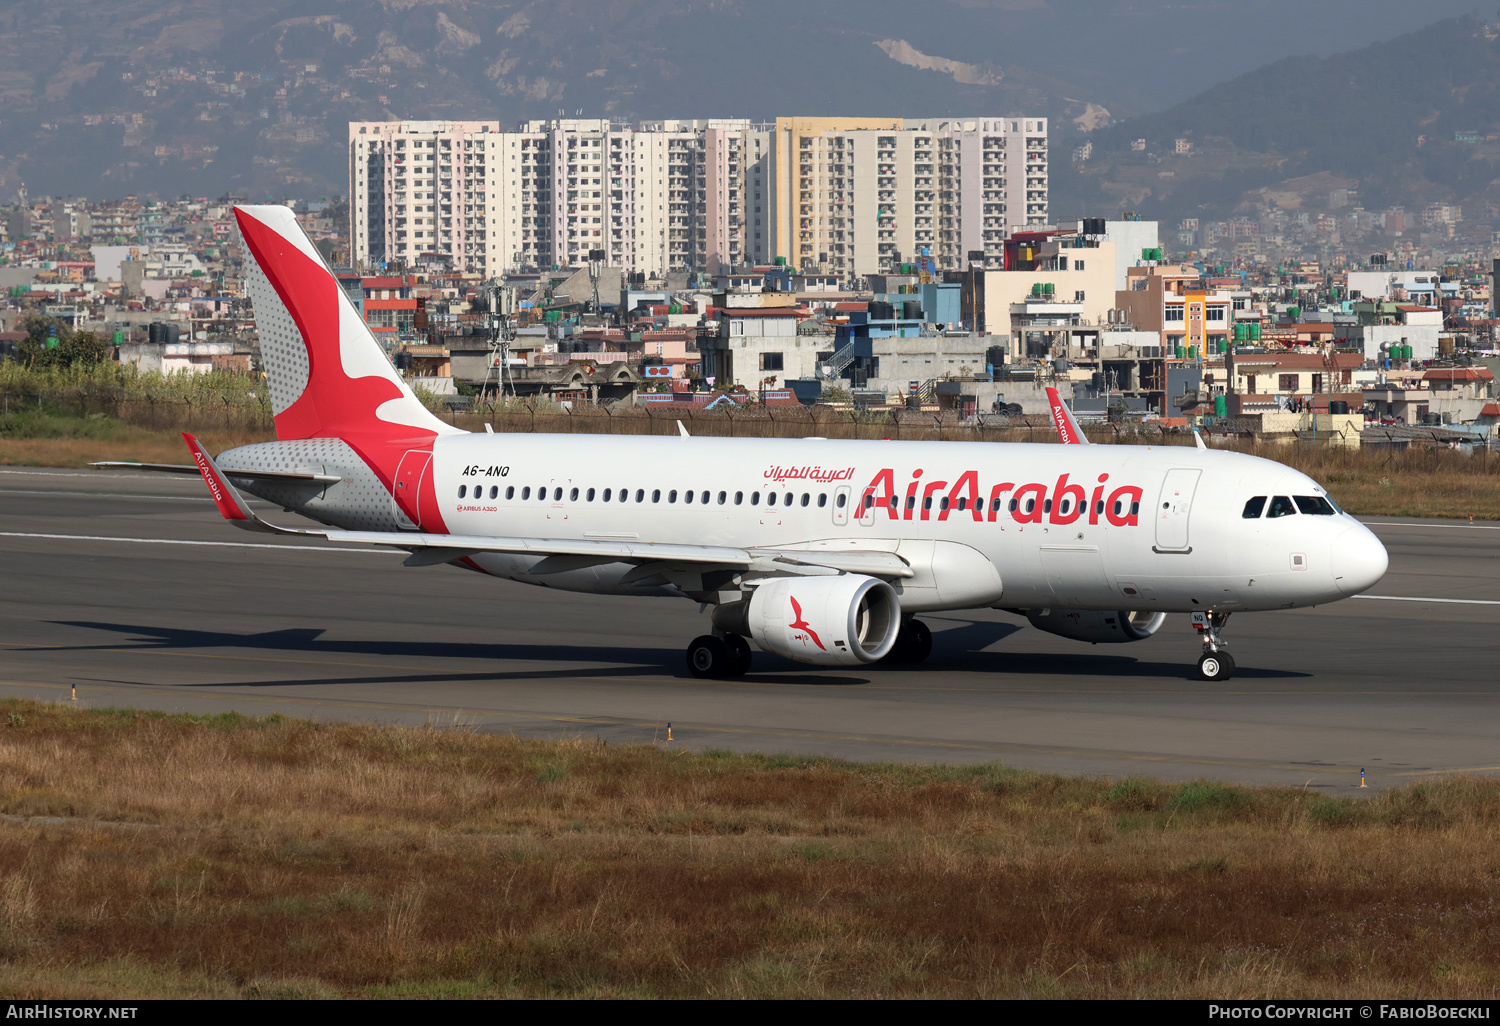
800	624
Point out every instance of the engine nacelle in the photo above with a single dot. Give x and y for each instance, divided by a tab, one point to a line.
841	620
1099	626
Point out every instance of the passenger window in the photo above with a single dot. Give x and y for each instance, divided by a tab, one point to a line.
672	495
1118	506
494	491
1030	505
687	496
722	497
911	502
541	493
1315	505
840	500
806	498
606	494
591	495
927	502
1015	502
895	502
656	495
739	497
526	492
1099	507
704	498
944	503
1064	506
1281	506
462	490
573	495
755	498
510	492
1135	509
770	498
640	495
1254	508
557	494
823	501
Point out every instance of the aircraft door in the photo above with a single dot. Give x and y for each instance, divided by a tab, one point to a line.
841	505
1174	509
406	490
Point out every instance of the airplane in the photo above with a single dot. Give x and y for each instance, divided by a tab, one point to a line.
820	551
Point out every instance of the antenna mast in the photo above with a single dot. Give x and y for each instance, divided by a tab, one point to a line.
500	301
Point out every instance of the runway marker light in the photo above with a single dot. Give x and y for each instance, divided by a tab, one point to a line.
669	732
75	692
1362	777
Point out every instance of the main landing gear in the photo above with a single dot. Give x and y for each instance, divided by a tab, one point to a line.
712	657
1215	663
913	643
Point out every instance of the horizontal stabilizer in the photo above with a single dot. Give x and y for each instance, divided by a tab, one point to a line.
250	475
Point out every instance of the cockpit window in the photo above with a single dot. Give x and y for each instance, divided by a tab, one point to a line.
1254	507
1281	506
1315	505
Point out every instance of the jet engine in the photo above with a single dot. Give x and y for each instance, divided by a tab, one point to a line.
841	620
1097	626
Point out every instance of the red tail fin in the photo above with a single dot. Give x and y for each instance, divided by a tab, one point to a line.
328	376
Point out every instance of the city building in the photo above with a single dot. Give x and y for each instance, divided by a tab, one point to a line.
1169	300
831	196
859	195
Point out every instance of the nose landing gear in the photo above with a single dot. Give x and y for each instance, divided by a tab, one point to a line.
1215	663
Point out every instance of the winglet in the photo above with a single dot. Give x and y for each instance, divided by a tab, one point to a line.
1199	439
1067	428
233	508
682	430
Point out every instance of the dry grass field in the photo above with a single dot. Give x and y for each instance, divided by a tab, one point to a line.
143	855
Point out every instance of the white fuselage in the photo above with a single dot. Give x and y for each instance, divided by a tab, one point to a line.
1158	528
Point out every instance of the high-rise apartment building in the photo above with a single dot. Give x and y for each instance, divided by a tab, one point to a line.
852	196
857	195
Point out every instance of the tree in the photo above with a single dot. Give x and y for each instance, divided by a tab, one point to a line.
40	327
78	349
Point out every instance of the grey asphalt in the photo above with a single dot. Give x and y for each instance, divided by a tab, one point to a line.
1403	689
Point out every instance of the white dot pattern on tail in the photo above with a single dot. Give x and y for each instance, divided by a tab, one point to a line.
281	347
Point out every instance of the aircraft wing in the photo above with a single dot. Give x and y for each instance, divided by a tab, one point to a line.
1067	427
560	554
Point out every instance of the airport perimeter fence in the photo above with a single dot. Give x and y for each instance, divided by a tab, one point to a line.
239	410
247	411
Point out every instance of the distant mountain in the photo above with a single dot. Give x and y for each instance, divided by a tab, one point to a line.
105	97
1411	121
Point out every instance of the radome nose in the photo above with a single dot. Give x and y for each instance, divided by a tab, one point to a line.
1359	560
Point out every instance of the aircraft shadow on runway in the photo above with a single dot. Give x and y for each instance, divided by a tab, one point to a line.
955	650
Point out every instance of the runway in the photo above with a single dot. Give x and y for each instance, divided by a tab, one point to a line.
130	588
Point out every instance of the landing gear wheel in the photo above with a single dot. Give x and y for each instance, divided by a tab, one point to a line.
709	657
1216	666
739	655
913	643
